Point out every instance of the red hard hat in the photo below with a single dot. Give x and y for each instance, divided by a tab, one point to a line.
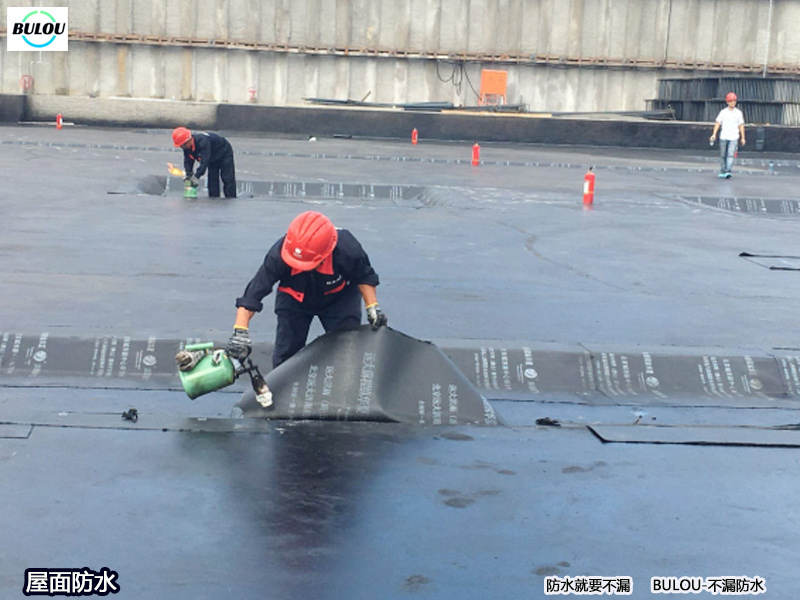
730	96
310	239
181	135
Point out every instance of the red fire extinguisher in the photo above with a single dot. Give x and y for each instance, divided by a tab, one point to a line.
414	136
476	155
588	187
59	121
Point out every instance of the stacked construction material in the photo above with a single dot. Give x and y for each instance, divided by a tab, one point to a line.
773	101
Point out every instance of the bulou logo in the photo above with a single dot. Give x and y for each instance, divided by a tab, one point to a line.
39	28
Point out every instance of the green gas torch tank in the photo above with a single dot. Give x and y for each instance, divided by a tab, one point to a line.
213	372
189	190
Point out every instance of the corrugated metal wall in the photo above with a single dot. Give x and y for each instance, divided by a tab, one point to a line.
561	55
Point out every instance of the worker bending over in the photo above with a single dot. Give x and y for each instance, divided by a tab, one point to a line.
213	153
321	272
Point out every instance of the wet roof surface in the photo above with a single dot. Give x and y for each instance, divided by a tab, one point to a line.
639	318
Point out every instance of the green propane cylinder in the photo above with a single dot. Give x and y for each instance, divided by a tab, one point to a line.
213	372
189	190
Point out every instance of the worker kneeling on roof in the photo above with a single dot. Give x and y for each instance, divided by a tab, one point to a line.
321	272
213	153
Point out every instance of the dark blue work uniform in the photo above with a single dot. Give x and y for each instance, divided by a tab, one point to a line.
329	292
214	153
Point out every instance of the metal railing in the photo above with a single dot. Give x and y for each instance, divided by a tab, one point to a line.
408	53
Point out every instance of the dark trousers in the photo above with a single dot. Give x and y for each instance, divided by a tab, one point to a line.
227	171
293	324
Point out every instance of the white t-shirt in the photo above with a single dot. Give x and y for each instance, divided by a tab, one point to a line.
730	121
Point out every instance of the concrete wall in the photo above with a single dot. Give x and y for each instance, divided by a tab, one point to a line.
381	123
561	55
118	111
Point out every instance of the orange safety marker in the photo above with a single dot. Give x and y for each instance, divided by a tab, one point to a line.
588	187
414	136
476	155
59	121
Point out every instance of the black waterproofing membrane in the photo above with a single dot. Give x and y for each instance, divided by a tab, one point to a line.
774	262
762	207
366	375
783	437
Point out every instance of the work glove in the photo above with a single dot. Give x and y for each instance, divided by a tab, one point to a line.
239	346
194	181
375	316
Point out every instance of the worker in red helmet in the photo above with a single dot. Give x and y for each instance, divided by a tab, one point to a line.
321	272
731	121
213	153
